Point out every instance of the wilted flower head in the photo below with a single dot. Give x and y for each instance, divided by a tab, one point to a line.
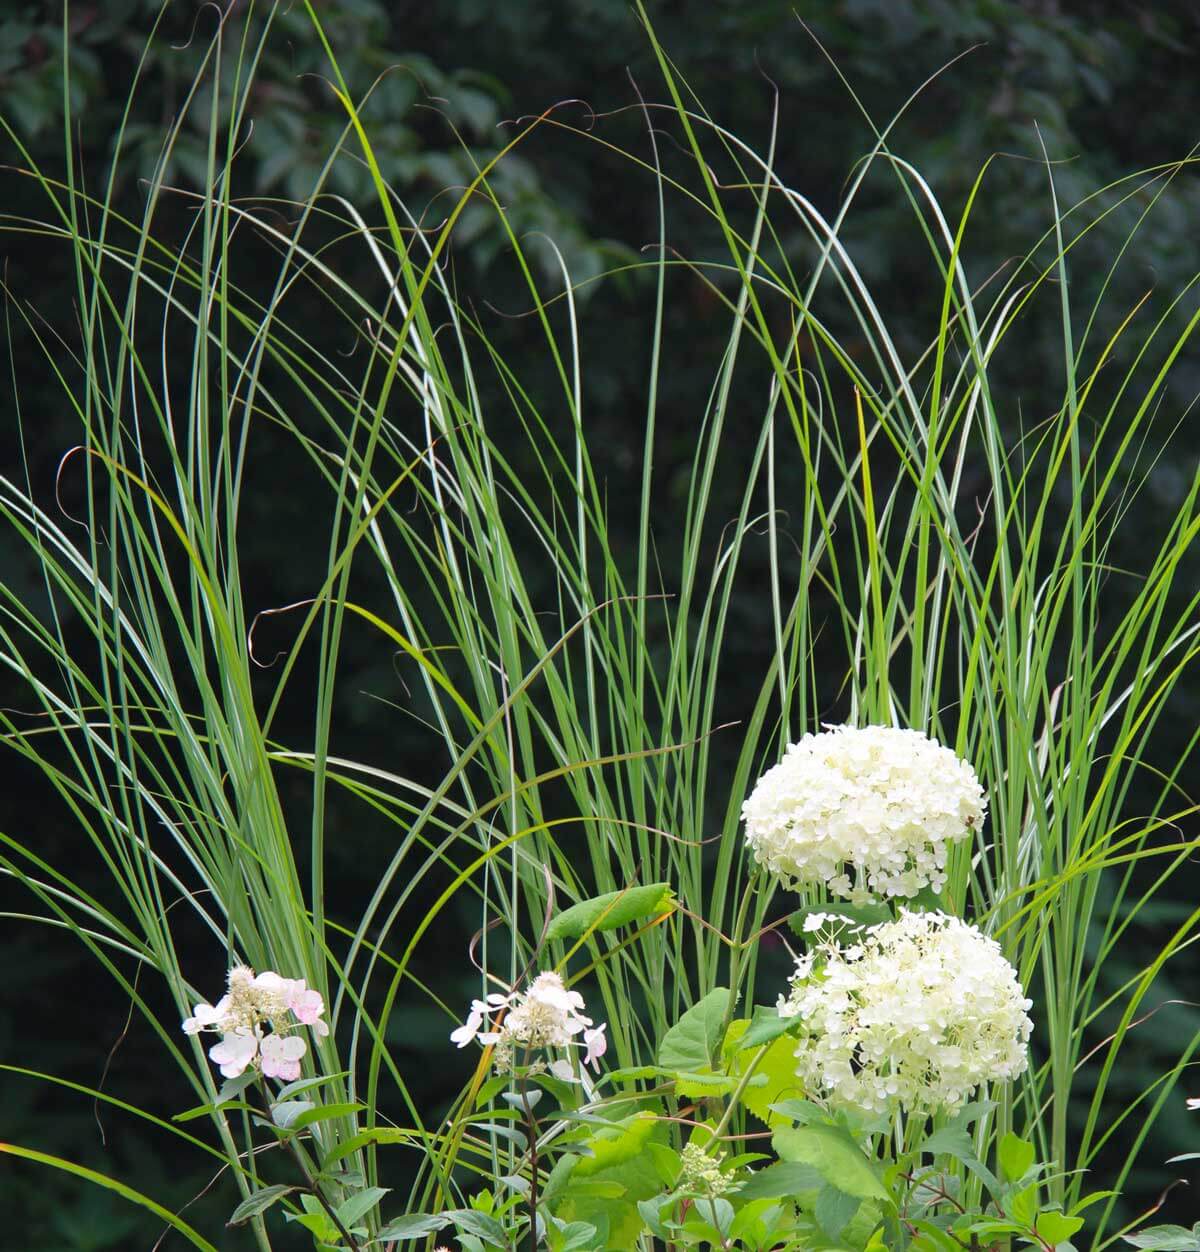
880	802
252	1004
915	1015
546	1015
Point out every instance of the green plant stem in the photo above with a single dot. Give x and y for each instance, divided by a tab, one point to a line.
736	948
310	1183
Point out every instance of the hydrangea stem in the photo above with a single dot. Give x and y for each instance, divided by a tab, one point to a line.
310	1183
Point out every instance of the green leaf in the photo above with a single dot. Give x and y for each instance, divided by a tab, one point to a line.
231	1088
765	1025
785	1178
1056	1228
802	1111
325	1113
1016	1156
1167	1239
611	910
774	1078
413	1226
353	1209
703	1085
949	1141
258	1202
482	1225
202	1110
834	1209
375	1134
691	1044
285	1112
299	1086
835	1155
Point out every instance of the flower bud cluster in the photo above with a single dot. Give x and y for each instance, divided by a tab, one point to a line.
877	803
700	1173
547	1015
257	1018
915	1015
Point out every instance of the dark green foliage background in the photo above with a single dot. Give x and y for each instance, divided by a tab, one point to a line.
1103	87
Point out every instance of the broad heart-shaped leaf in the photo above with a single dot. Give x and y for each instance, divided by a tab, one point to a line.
613	909
1167	1239
259	1202
835	1156
691	1044
774	1076
413	1226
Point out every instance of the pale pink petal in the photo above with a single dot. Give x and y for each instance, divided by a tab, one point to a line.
596	1042
281	1056
306	1004
562	1071
202	1015
1193	1103
234	1052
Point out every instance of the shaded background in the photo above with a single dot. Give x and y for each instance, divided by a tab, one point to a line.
1106	87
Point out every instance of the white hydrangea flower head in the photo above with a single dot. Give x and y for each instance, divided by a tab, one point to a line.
874	802
254	1003
916	1015
546	1015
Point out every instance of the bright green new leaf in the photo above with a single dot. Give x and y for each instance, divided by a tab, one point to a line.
1056	1228
1016	1156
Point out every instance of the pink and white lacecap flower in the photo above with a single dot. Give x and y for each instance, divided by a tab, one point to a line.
547	1015
252	1003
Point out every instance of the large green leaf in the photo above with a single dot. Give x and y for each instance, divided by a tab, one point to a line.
612	909
691	1044
835	1156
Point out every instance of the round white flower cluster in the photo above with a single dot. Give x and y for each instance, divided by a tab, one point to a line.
879	801
917	1014
545	1016
253	1002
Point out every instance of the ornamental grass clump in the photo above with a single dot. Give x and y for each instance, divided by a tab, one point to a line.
866	812
914	1017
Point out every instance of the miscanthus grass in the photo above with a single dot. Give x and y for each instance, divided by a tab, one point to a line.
942	574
